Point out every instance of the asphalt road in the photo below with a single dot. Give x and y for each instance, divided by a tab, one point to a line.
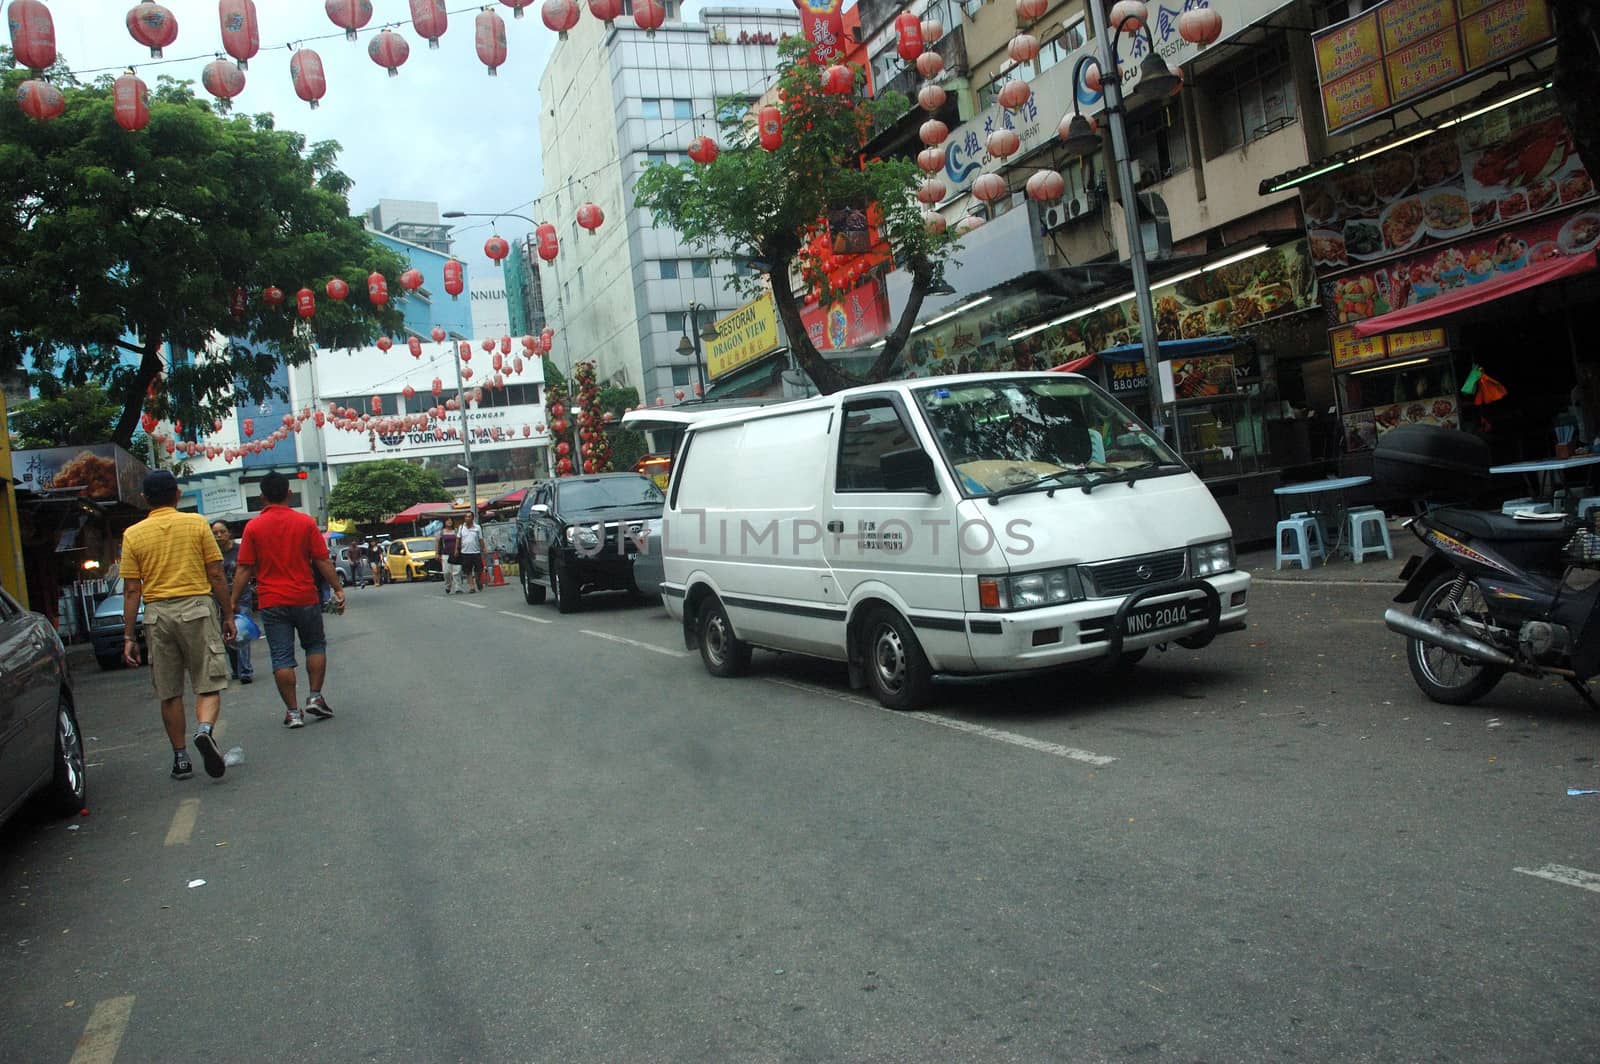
544	838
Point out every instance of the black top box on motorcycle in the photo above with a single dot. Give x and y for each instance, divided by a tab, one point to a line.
1431	462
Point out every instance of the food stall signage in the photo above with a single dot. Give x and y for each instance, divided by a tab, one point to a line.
1352	350
1504	30
855	319
1358	96
1125	377
1348	47
1415	342
742	336
1407	21
1423	66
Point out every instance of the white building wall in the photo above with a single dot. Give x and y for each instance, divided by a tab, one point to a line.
490	315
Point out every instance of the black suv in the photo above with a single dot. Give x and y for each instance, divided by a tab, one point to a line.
580	534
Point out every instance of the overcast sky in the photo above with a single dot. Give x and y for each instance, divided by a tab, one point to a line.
443	130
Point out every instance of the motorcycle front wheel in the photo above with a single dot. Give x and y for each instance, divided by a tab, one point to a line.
1444	675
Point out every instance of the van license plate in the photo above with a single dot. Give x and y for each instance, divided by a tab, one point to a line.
1154	618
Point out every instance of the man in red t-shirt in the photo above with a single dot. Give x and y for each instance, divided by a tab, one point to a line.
283	551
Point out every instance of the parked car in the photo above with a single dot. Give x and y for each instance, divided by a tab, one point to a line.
580	534
105	629
412	559
41	749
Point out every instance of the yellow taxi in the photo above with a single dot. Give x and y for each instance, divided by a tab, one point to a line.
412	559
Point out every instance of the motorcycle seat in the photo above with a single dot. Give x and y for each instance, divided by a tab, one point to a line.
1502	528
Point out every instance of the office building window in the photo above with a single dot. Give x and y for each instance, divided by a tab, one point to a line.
677	322
682	109
700	267
1251	97
680	376
1156	141
650	108
669	269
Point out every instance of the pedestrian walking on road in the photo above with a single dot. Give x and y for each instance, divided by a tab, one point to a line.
469	541
172	563
239	663
445	547
283	551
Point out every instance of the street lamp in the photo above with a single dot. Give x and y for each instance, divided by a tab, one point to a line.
1156	81
688	347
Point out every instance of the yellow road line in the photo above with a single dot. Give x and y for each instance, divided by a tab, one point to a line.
183	822
103	1036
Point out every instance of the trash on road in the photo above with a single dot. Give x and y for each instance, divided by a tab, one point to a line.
234	757
196	883
73	827
1580	792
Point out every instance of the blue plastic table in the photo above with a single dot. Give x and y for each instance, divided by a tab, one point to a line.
1546	471
1334	488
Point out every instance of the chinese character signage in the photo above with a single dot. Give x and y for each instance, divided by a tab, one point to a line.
743	336
856	319
103	472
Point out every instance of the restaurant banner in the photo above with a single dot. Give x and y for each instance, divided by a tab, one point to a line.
858	318
1513	163
1400	50
1353	297
743	336
103	472
1350	350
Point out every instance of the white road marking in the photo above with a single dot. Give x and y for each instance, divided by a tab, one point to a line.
668	651
183	823
103	1036
527	617
1572	877
473	605
1071	753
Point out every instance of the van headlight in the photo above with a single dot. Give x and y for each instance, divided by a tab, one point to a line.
584	537
1209	559
1026	591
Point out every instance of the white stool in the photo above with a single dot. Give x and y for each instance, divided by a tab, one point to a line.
1369	533
1512	506
1299	539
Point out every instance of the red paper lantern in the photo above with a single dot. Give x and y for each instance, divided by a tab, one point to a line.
1128	16
321	419
249	427
930	64
590	216
516	6
222	79
931	160
564	465
1024	48
236	305
838	80
430	19
384	343
414	345
678	395
305	303
377	404
1029	10
563	448
438	386
931	191
408	391
337	289
40	99
516	364
1046	186
933	132
499	361
990	187
908	28
241	38
505	347
496	249
1200	25
453	281
33	34
464	350
648	15
488	345
130	102
530	344
389	50
1013	94
349	15
931	97
489	37
411	279
559	15
377	289
147	421
769	122
272	296
1002	143
310	83
527	430
968	224
152	26
549	244
607	11
438	334
703	150
466	373
932	30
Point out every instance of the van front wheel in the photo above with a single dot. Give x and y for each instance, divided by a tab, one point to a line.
724	653
896	667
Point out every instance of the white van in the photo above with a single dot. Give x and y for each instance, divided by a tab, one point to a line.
986	523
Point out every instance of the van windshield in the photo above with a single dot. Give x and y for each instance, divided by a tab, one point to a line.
1001	436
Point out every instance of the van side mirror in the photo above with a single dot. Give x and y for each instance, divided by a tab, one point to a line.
909	470
539	509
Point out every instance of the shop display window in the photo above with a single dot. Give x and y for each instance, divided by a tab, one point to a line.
1374	400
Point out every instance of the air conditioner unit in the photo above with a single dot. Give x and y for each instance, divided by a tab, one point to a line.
1080	205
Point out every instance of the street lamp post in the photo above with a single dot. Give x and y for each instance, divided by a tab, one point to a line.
466	429
692	347
1155	81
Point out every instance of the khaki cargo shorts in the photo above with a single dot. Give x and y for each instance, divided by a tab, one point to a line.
185	637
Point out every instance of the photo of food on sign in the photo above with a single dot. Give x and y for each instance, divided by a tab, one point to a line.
1515	163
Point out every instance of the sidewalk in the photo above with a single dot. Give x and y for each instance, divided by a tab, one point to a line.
1340	570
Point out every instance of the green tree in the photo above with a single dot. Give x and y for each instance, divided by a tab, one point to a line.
63	414
116	243
750	201
375	491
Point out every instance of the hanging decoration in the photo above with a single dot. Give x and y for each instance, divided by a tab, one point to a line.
595	449
822	25
496	248
414	345
931	159
454	281
238	303
1045	186
1031	10
310	83
505	348
384	343
430	19
411	279
489	37
934	132
559	15
349	15
931	97
989	188
590	216
389	50
249	427
1091	77
438	386
1014	93
337	289
930	65
838	80
272	296
932	30
1024	48
305	303
607	11
222	79
498	361
377	288
931	191
409	392
152	26
130	102
33	35
1002	143
703	150
968	224
241	37
376	404
908	30
769	124
1128	16
548	243
648	15
438	334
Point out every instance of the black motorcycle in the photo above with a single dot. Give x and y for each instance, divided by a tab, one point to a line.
1495	593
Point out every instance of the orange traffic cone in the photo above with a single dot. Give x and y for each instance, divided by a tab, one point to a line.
497	576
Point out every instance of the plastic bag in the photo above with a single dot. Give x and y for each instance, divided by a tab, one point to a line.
246	627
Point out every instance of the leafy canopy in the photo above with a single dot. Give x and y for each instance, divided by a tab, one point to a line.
370	492
749	201
113	244
62	414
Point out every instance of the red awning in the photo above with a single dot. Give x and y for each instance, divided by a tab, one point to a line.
510	498
1474	295
1077	365
417	512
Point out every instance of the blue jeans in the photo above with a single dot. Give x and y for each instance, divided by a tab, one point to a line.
239	661
282	623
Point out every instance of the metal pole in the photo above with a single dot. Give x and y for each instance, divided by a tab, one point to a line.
466	430
1136	261
699	360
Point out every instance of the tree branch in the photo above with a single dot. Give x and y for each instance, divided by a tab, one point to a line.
827	376
921	281
133	399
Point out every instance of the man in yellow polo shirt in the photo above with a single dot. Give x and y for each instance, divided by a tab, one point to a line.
171	561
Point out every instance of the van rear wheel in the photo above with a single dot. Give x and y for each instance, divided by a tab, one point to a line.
724	653
897	668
